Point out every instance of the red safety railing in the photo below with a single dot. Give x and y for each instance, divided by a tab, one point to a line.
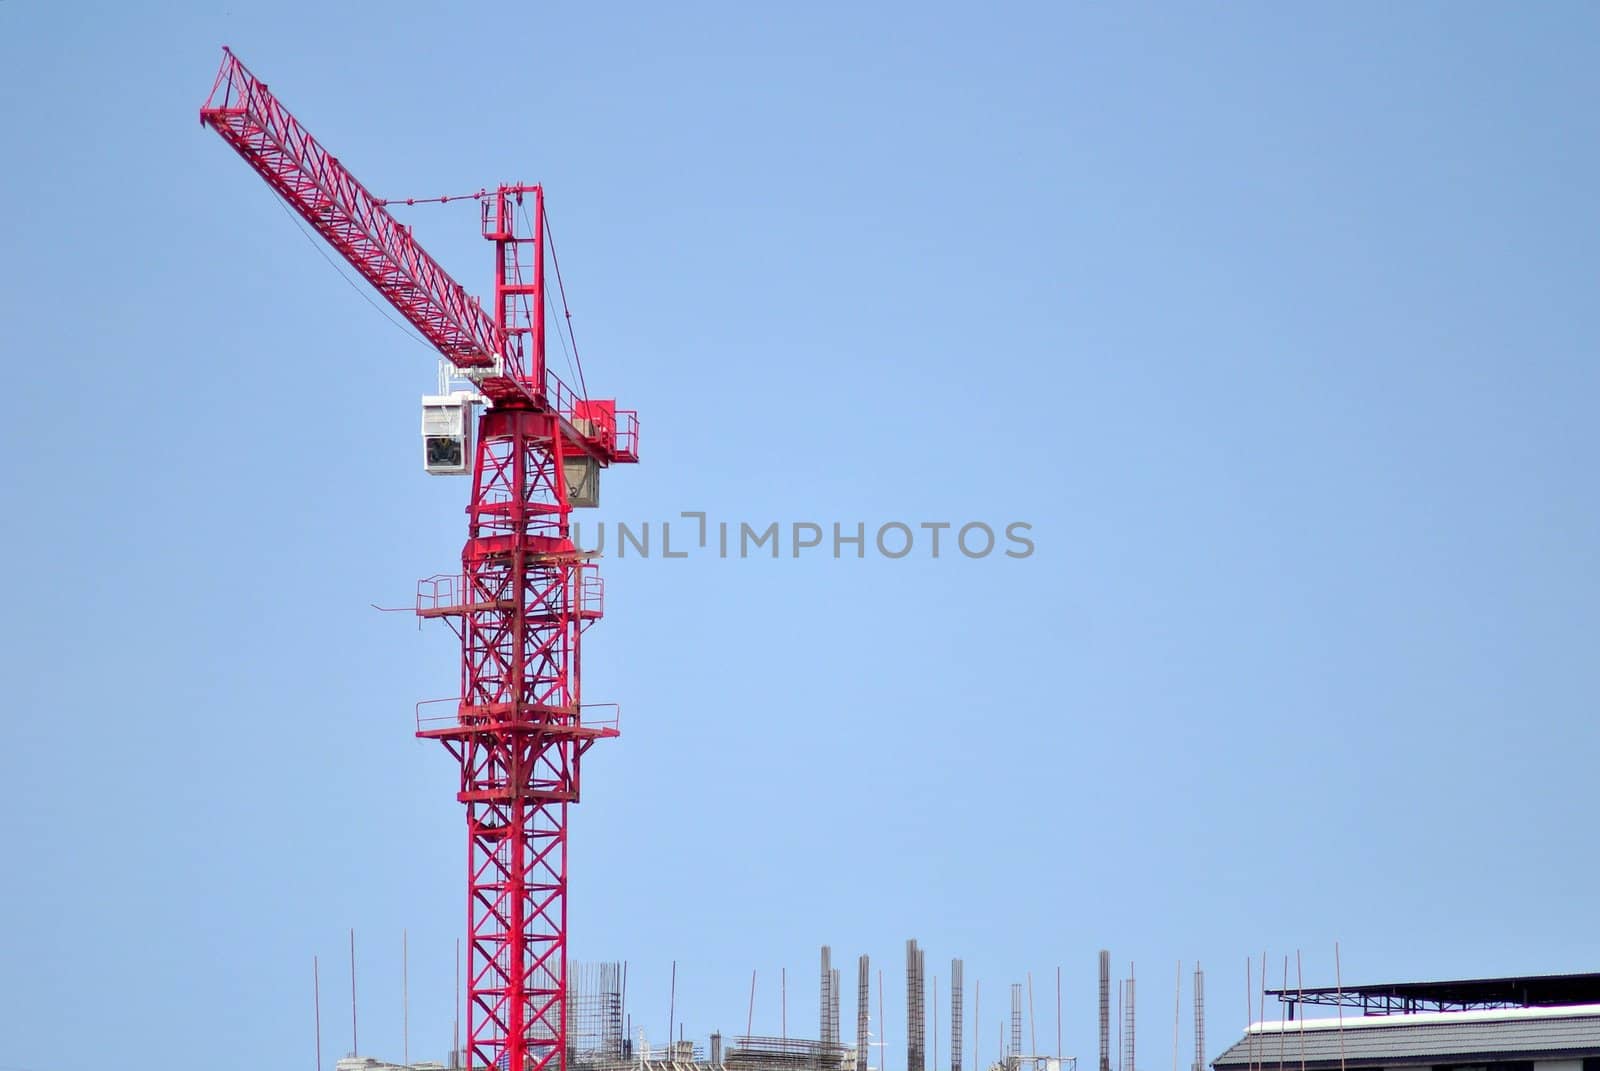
591	591
444	591
435	714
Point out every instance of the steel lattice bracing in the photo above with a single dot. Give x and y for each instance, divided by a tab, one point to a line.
328	196
519	735
527	595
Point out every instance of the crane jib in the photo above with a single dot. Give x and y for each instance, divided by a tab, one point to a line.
503	351
327	196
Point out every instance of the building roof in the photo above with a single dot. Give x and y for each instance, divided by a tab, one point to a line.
1437	1038
1525	991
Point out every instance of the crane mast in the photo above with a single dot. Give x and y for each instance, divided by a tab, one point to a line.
524	595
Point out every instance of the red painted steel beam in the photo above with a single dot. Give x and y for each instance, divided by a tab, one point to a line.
349	218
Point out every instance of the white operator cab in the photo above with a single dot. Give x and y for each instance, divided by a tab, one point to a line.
447	422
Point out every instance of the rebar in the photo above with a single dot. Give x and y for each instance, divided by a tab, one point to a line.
1014	1057
955	1015
827	996
863	1017
1105	1010
594	1010
1129	1031
915	1056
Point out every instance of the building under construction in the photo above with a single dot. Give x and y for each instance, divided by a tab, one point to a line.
602	1036
601	1040
1530	1023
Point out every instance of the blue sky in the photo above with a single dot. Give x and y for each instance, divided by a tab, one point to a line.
1275	322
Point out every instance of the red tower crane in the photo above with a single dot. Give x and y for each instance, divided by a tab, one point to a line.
524	595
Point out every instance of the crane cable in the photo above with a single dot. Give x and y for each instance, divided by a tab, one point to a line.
357	287
574	361
481	195
550	305
567	309
571	354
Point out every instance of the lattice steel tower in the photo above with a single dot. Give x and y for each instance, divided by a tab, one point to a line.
524	594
